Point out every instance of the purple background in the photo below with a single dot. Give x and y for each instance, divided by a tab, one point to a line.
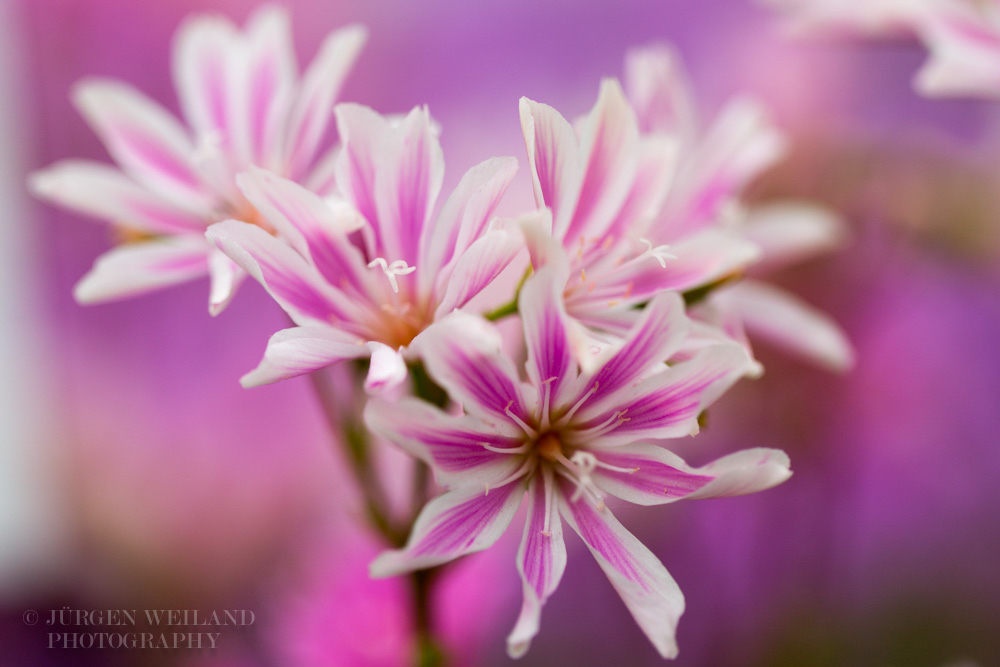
178	489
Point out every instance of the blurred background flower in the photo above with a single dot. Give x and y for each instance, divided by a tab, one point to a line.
135	472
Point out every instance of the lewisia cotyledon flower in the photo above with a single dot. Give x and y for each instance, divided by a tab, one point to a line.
963	36
567	439
712	170
362	276
245	104
853	17
604	183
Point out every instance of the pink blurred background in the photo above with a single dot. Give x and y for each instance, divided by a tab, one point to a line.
135	473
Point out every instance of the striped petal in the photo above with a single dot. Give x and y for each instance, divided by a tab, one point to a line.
547	332
700	259
101	191
266	85
789	232
146	140
788	322
651	475
301	350
321	83
554	156
455	447
362	134
609	144
204	65
541	560
657	164
650	343
457	523
462	354
407	184
311	225
739	146
477	268
647	589
464	217
295	284
666	404
137	268
659	91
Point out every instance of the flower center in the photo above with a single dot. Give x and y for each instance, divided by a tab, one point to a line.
549	447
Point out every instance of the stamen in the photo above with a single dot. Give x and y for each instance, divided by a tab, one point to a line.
659	252
528	462
583	486
532	433
576	406
543	418
521	449
607	466
609	424
397	268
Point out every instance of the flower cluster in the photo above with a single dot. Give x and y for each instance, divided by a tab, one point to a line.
629	280
963	36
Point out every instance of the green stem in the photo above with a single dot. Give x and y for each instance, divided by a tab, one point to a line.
509	308
429	652
343	418
503	311
354	437
699	294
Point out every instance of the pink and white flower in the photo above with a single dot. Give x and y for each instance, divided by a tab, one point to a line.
786	232
963	37
713	169
604	182
244	103
363	275
853	17
567	439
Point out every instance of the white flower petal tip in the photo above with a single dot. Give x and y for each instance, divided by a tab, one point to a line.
387	369
258	377
745	472
788	322
44	183
226	277
517	645
134	269
790	232
388	564
300	350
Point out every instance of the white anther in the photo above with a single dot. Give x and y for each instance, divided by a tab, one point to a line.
397	268
659	253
